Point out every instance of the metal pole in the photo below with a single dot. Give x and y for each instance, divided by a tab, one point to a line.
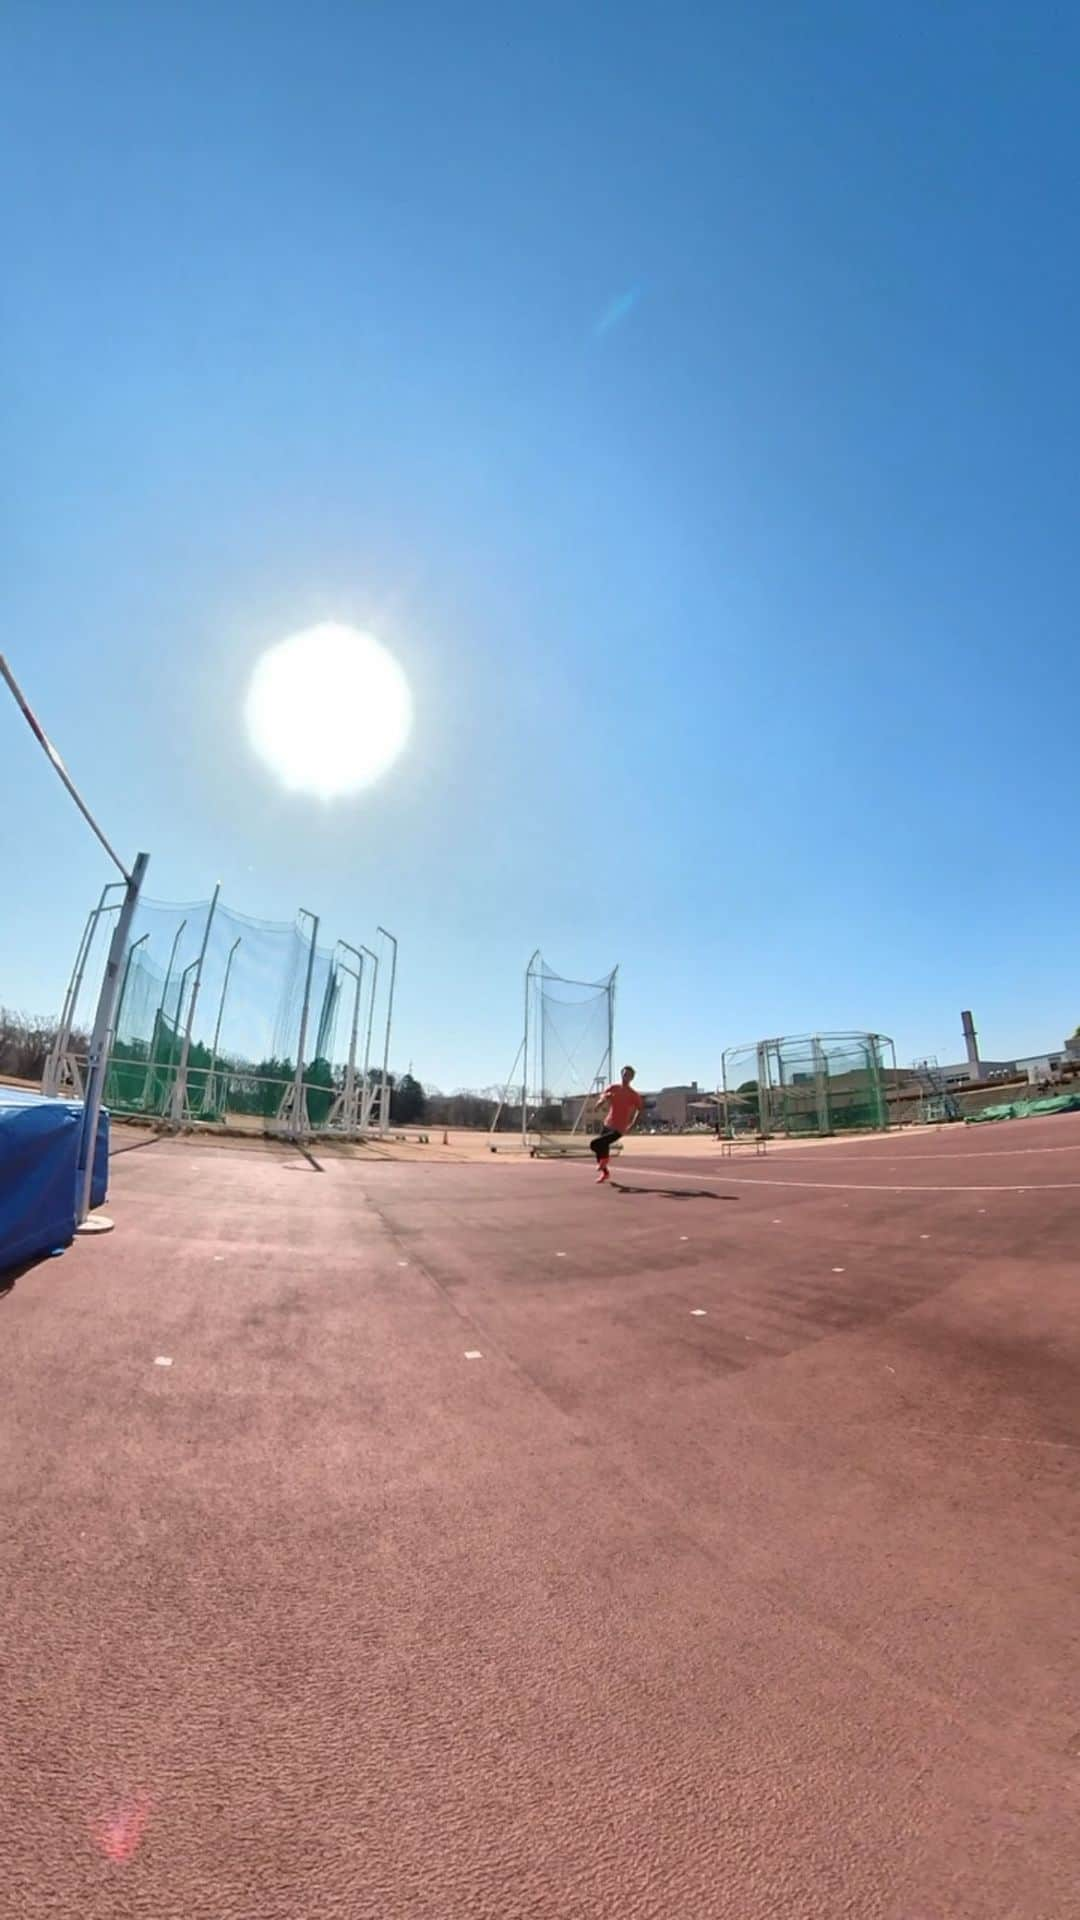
50	1079
365	1091
384	1105
179	1092
131	952
727	1103
525	1055
611	1027
47	746
98	1057
180	992
299	1098
220	1011
151	1064
350	1065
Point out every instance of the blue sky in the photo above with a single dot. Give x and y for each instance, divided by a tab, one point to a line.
693	409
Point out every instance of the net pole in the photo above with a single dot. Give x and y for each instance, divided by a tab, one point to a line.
875	1071
59	1045
212	1083
299	1098
384	1111
824	1119
179	1092
168	1105
525	1053
349	1106
98	1057
494	1127
131	952
152	1063
365	1091
611	1026
50	1079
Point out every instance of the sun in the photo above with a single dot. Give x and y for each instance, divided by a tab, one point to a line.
328	710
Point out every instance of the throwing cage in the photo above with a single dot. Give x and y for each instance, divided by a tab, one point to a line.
563	1060
818	1083
221	1019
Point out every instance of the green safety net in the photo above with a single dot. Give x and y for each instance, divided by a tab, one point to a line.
229	992
569	1034
809	1084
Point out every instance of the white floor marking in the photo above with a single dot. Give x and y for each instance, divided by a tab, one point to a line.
219	1256
867	1186
162	1360
924	1236
838	1269
403	1263
684	1236
560	1256
473	1353
698	1312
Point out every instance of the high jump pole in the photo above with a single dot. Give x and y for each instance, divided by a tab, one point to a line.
101	1037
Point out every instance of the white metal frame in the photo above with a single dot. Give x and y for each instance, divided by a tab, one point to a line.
529	1046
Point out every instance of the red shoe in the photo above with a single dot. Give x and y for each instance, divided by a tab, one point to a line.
604	1173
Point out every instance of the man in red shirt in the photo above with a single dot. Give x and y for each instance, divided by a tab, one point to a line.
622	1106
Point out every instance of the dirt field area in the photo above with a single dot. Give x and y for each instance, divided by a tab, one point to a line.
418	1541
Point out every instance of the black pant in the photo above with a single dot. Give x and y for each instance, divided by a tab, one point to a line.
604	1142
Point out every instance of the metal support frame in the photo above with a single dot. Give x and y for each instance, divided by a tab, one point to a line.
98	1058
131	952
52	1078
159	1016
293	1111
525	1053
344	1110
211	1079
384	1103
178	1100
530	1048
100	1040
365	1085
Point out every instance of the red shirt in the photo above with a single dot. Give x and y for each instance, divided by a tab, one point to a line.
623	1104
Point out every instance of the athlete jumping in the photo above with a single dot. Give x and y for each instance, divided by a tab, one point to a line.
621	1106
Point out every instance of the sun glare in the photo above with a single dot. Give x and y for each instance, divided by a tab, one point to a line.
328	710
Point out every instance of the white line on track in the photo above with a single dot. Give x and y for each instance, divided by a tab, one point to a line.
854	1186
947	1153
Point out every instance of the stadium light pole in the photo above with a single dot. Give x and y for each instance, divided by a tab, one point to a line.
365	1098
384	1111
97	1059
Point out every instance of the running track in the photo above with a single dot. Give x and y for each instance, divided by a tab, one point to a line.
737	1576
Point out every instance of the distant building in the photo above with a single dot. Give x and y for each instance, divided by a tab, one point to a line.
670	1107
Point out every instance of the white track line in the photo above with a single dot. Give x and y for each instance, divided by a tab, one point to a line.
855	1186
947	1153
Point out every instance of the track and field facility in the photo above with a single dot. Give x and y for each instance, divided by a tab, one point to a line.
423	1540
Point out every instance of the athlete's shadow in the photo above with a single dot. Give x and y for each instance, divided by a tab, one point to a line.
677	1193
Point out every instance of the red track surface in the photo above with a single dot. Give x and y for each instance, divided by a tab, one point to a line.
770	1610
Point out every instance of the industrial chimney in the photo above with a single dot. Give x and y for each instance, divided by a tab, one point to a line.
972	1045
